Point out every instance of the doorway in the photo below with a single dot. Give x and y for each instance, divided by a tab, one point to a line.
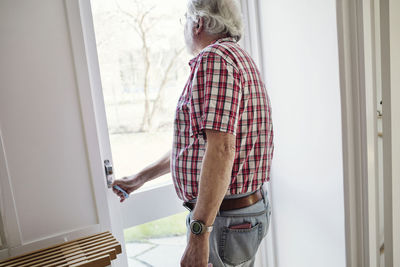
143	67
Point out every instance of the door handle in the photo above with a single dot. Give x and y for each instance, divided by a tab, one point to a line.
109	172
108	168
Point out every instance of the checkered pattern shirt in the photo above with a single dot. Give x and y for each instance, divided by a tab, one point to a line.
224	92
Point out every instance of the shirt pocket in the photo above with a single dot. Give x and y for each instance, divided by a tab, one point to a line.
182	117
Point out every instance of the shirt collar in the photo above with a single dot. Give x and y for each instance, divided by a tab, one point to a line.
224	39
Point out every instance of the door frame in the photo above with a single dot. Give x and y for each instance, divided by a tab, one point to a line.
364	56
352	77
372	61
355	165
390	61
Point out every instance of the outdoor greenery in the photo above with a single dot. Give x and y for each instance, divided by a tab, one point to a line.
169	226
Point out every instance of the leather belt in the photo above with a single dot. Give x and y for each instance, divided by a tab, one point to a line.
233	203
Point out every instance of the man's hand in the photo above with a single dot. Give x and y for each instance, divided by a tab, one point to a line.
134	182
129	184
196	252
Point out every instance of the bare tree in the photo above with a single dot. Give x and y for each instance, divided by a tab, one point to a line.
143	22
164	81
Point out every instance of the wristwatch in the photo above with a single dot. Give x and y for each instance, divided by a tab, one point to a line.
198	227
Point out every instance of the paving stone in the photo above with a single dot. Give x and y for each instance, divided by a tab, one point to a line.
135	263
133	249
164	255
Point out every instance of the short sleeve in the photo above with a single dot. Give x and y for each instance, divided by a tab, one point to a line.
215	95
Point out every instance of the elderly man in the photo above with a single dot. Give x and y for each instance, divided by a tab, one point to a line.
223	142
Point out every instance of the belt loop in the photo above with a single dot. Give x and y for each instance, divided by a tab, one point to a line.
186	206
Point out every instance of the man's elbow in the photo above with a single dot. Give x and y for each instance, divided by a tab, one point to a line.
228	147
222	143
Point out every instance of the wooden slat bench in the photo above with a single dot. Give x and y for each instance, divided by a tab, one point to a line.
92	251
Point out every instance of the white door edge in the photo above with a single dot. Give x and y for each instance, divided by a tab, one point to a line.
371	56
82	35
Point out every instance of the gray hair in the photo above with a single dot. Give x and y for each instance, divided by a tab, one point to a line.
220	16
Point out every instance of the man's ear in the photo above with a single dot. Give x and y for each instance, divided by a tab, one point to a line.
199	26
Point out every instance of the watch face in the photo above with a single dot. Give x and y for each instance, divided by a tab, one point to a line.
196	227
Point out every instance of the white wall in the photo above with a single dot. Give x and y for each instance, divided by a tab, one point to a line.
302	78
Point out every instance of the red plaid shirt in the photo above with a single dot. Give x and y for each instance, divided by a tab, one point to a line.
224	92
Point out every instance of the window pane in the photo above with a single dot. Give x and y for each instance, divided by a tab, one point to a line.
143	66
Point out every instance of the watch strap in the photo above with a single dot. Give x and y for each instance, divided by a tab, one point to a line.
209	229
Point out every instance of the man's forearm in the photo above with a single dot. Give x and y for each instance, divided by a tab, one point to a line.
215	178
156	169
